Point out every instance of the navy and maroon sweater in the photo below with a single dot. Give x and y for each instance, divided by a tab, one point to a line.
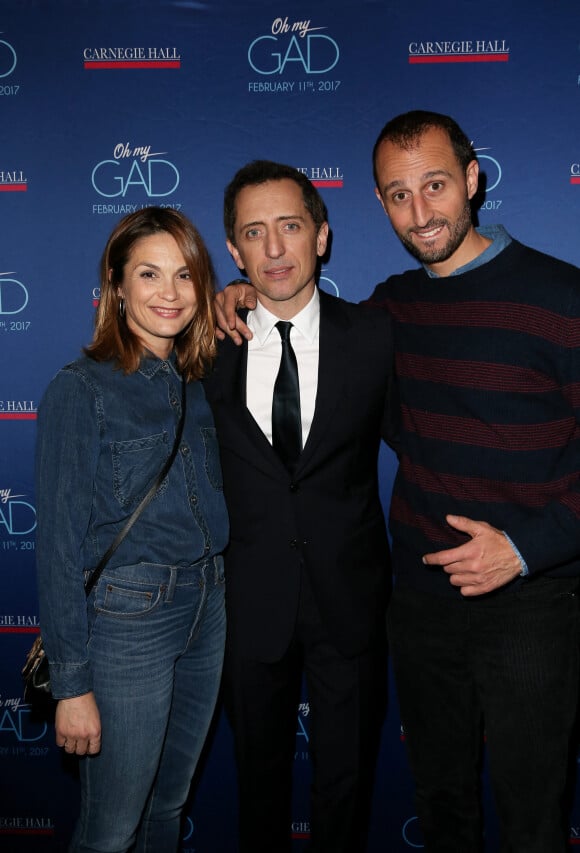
488	363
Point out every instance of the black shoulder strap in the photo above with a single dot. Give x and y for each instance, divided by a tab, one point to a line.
147	499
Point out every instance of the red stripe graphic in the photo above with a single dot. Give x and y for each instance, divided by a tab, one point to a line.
575	181
13	188
20	629
26	831
327	183
459	57
17	416
154	63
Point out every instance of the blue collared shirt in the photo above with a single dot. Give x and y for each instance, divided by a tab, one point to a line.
500	239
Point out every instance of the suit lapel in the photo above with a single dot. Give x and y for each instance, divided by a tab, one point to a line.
238	426
332	364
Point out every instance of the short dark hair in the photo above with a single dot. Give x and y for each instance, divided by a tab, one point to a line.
404	130
113	340
260	171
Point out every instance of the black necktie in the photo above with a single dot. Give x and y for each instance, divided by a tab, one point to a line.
286	421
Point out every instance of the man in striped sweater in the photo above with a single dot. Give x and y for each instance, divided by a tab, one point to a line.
485	515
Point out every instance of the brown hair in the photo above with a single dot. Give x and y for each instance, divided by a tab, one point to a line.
406	129
113	340
259	172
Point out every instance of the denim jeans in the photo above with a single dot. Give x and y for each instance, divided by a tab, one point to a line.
508	662
156	641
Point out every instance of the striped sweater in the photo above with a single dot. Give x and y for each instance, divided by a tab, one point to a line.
488	363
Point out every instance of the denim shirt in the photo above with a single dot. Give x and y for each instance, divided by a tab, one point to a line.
103	436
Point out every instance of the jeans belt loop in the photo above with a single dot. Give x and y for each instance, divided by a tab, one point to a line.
172	584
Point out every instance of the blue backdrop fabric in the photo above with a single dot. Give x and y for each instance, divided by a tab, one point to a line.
109	106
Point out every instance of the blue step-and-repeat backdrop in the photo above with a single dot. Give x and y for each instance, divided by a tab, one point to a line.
109	106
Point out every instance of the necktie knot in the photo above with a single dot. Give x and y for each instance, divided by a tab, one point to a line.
284	327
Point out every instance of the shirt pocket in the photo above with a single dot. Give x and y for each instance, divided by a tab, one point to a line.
136	463
213	468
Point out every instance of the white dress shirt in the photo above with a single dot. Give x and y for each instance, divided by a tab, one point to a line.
264	353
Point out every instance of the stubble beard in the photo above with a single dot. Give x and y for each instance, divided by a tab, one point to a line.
458	231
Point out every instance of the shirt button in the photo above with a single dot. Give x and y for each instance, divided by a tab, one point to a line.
184	449
294	487
293	543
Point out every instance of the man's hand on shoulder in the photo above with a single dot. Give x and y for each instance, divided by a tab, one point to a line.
237	294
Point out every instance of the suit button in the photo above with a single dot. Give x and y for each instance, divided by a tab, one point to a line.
294	487
293	543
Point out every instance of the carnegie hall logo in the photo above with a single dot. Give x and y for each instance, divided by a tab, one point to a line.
20	825
481	50
329	177
17	410
106	58
300	830
575	174
13	181
18	623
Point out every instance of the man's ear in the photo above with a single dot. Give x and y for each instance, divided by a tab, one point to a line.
322	239
380	198
472	178
235	255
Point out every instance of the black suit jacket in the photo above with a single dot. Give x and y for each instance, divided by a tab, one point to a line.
327	515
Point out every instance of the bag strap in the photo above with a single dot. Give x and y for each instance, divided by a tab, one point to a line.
146	500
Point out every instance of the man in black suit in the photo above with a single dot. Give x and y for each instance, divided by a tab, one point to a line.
307	566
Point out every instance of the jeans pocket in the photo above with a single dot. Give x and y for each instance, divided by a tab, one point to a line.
126	599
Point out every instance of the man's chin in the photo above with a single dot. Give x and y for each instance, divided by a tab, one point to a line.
427	254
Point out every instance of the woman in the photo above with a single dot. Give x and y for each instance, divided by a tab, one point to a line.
140	660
